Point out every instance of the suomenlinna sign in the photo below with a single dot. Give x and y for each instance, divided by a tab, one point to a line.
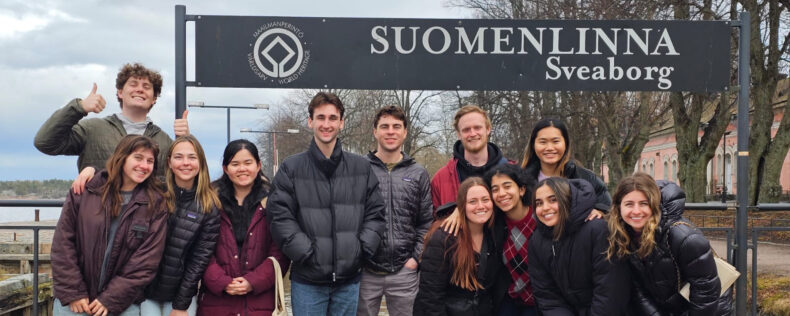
546	55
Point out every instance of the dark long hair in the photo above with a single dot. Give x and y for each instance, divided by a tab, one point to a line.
562	191
111	190
530	157
231	150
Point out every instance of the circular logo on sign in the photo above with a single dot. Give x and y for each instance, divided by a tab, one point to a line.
278	52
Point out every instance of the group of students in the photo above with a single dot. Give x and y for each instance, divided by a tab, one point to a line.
480	238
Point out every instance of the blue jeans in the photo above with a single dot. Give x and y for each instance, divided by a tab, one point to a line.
316	300
59	310
152	307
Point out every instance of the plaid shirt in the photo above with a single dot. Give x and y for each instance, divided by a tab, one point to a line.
515	257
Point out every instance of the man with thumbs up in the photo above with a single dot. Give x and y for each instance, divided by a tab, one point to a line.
94	139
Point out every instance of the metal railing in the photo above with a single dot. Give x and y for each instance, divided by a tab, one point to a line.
731	246
755	232
35	229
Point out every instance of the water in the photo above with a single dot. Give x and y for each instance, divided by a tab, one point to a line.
27	214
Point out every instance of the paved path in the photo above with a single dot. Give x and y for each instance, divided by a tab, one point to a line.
771	258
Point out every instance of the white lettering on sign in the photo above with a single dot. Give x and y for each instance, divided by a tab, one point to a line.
438	40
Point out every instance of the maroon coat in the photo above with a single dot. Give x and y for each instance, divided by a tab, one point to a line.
444	185
251	264
81	239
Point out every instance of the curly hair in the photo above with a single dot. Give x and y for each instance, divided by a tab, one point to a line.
619	237
137	70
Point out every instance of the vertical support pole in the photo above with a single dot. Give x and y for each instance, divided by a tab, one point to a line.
181	60
35	271
755	239
744	75
228	116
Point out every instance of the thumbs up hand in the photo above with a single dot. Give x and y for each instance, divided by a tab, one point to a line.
94	102
180	126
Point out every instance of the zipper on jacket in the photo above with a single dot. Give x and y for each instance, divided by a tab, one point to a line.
334	235
552	250
391	220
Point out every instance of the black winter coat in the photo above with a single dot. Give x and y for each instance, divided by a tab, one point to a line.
438	296
603	201
571	276
406	191
656	276
326	214
191	237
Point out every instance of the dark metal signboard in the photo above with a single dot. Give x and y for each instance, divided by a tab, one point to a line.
550	55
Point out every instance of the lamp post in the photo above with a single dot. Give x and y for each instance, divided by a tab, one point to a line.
724	167
201	104
274	142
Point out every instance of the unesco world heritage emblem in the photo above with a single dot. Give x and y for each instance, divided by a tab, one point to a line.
279	53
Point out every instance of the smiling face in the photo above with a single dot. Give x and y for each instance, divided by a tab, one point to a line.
389	134
138	166
549	146
473	132
326	123
635	210
478	205
242	169
546	206
507	194
137	94
185	164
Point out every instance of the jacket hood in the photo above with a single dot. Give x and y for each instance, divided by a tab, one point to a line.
494	155
582	202
673	201
327	166
405	161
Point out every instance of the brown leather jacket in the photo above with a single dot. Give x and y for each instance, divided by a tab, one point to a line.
81	239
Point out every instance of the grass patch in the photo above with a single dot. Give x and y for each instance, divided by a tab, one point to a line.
772	294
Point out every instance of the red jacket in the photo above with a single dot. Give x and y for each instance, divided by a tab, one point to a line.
81	239
251	264
444	185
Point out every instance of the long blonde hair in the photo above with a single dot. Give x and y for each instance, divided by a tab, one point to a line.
619	238
205	194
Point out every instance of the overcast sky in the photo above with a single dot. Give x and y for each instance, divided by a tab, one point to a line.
52	51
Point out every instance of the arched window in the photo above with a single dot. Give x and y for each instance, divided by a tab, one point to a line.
666	170
675	170
652	173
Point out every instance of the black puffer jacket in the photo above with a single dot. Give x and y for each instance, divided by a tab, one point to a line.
603	201
438	296
656	276
326	214
406	191
191	237
572	276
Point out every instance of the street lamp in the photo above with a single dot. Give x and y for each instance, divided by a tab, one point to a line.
274	142
201	104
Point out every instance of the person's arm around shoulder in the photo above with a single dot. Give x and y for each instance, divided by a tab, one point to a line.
611	278
197	260
281	213
373	221
697	267
62	134
141	267
68	281
546	292
435	276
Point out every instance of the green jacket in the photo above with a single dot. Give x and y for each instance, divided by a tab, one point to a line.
94	139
